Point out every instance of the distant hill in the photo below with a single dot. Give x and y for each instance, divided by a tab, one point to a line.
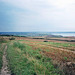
28	34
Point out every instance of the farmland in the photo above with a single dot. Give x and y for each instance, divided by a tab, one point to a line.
27	56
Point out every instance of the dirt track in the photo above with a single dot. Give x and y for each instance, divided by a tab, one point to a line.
4	70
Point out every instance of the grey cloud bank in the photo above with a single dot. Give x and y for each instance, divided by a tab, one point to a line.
37	15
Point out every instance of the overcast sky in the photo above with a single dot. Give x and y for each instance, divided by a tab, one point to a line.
37	15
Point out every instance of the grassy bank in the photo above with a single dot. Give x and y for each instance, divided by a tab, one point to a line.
25	61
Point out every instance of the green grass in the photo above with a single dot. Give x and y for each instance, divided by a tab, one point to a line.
54	43
65	58
25	61
2	40
59	44
1	54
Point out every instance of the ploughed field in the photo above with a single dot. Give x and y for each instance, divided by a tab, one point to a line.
28	56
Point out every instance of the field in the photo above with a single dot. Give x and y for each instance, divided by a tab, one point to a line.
28	56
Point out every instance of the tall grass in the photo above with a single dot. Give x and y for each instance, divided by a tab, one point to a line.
25	61
2	40
1	54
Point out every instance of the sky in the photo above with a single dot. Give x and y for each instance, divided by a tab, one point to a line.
37	15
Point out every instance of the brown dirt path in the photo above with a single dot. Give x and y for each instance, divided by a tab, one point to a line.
4	70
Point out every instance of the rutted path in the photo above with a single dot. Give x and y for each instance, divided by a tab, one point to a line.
4	70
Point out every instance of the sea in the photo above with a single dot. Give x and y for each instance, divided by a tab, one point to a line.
65	34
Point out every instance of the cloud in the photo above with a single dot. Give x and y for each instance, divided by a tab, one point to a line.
40	14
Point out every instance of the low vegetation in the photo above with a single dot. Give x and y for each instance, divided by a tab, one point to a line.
28	56
2	40
60	44
25	61
1	55
12	38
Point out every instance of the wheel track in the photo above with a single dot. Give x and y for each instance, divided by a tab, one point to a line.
4	70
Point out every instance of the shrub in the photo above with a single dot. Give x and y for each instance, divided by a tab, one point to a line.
12	38
45	41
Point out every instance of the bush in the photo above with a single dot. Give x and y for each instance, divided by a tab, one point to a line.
12	38
45	41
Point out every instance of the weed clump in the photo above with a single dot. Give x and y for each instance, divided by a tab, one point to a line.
65	58
19	45
38	56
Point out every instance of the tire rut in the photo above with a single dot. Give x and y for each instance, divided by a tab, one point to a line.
4	70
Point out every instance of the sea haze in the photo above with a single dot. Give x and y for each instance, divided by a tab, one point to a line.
38	33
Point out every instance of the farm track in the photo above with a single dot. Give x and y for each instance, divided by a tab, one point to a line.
4	70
